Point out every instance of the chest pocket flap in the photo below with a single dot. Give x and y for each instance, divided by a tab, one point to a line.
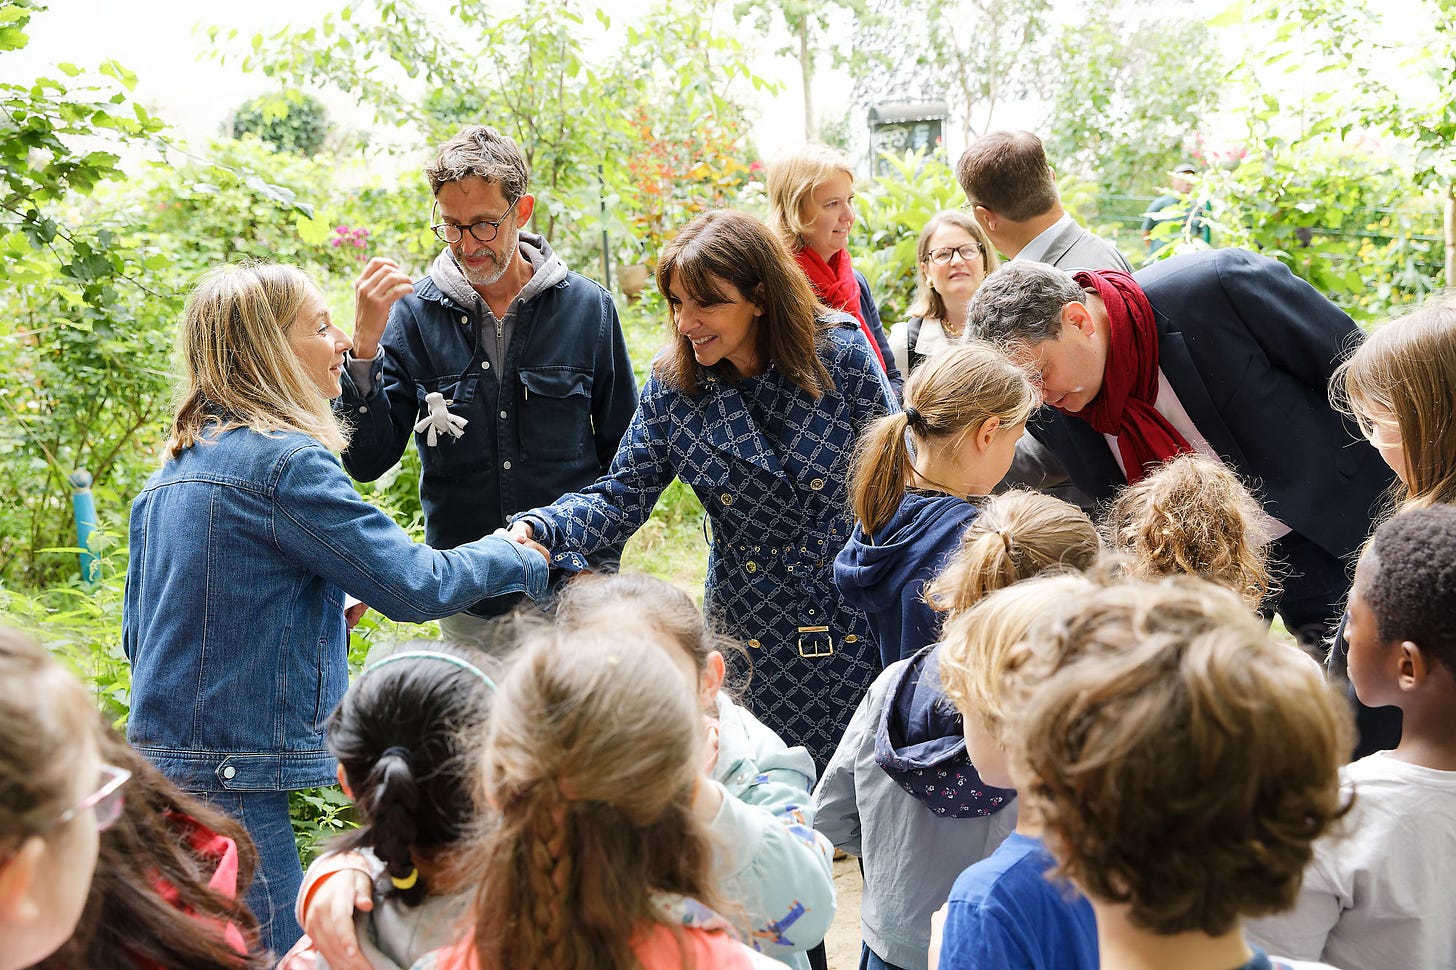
555	419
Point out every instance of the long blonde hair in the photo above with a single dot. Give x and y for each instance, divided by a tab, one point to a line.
1017	535
238	370
792	179
1406	370
591	762
949	396
1192	516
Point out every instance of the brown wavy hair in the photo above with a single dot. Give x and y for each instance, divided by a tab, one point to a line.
952	394
1016	535
591	762
1406	370
1194	517
128	922
725	246
1180	760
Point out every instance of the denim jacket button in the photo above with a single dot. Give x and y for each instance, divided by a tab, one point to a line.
485	365
506	465
230	772
363	409
464	320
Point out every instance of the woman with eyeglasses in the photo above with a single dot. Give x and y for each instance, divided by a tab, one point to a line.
168	888
953	256
55	798
243	546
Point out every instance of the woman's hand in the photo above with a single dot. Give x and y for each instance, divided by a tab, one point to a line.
329	917
520	533
378	288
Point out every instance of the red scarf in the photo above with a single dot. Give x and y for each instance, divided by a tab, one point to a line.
1124	406
835	284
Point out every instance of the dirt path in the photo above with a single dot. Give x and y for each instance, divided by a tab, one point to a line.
842	944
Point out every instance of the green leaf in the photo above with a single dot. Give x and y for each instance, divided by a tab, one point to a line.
314	231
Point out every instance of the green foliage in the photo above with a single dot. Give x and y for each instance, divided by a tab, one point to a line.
891	212
289	121
1126	95
661	118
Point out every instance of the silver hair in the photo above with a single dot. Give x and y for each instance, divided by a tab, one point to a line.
1022	303
479	151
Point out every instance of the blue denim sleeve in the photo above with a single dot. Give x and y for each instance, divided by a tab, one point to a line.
608	512
383	419
321	523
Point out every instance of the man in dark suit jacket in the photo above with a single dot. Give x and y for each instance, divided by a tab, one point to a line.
1222	352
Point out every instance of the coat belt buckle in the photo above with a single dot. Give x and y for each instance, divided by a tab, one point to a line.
819	642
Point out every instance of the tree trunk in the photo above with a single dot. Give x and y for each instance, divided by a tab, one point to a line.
806	75
1450	234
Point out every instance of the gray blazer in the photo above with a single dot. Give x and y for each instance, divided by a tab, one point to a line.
1075	248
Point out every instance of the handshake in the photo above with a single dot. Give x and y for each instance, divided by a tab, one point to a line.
521	533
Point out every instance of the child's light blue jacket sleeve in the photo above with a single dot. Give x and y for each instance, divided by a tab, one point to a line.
772	859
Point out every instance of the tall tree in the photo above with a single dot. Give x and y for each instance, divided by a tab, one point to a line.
807	23
1125	93
976	54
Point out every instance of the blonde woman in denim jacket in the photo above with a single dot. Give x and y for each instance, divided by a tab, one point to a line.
242	548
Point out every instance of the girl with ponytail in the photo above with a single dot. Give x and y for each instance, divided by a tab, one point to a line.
598	855
407	738
901	791
915	474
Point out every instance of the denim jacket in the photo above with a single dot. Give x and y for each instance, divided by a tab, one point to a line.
544	422
242	549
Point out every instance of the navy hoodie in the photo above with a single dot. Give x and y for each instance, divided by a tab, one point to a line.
885	575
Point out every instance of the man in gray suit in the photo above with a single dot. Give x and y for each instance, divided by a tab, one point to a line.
1013	193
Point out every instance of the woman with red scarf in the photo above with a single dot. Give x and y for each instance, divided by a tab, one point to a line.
811	207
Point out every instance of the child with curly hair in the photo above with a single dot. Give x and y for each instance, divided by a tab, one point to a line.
1194	517
1181	763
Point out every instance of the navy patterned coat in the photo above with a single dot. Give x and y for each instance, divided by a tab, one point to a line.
771	467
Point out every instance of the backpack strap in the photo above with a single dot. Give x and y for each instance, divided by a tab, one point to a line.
912	337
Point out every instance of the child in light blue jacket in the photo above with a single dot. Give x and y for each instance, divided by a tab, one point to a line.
771	861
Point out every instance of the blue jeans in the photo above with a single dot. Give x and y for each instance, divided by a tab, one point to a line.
278	878
868	960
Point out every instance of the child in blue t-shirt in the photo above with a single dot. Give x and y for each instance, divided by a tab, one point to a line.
1003	911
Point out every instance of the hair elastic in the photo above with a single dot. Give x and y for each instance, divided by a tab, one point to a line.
912	416
408	882
451	659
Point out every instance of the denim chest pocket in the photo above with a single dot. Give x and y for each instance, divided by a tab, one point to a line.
555	415
450	451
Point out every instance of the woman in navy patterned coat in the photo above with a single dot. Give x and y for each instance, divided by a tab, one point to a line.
756	405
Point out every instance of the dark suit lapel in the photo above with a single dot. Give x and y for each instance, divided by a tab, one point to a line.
1177	365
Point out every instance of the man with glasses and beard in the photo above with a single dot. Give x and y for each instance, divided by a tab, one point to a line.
510	372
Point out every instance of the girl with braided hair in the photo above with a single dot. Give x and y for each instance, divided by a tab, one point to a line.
406	736
598	855
915	476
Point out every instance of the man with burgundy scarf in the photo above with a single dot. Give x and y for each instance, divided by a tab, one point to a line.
1221	352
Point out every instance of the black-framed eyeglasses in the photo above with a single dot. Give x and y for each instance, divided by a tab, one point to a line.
970	251
107	801
449	233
